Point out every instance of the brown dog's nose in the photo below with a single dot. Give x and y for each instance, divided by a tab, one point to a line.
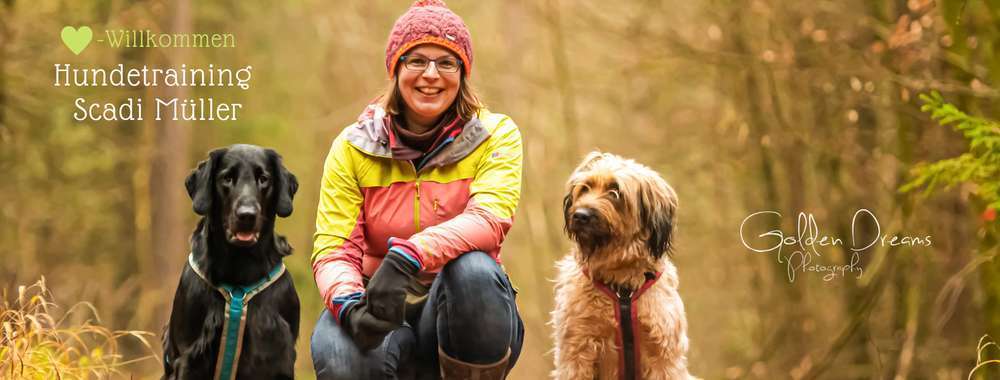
583	215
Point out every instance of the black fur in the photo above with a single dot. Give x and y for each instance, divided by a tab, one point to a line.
191	342
286	183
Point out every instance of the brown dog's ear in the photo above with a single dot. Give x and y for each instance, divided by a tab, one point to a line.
657	207
200	182
285	183
567	203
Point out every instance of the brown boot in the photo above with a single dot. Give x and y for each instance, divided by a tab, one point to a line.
453	369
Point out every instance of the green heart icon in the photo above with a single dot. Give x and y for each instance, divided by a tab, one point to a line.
77	39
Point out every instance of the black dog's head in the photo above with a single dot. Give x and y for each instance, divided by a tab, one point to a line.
245	186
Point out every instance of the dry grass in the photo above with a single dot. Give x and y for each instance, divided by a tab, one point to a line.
982	362
35	344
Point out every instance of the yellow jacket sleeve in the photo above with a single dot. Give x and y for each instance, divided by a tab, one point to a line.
339	242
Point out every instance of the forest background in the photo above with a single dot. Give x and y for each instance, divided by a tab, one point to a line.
743	106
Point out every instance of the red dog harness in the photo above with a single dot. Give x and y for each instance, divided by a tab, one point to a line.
627	315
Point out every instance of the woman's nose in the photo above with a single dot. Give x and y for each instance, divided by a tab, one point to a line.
431	71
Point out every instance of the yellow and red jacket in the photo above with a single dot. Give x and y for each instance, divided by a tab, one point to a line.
461	199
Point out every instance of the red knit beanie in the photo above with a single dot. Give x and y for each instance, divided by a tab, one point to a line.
429	22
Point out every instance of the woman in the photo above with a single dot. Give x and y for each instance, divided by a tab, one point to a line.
416	199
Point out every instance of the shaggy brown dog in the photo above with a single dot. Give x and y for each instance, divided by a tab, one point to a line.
618	314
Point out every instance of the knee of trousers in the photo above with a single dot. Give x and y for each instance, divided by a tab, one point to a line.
474	269
334	355
478	298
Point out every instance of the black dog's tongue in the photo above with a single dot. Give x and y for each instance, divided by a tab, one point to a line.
246	236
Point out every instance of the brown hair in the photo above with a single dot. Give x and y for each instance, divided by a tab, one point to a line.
466	103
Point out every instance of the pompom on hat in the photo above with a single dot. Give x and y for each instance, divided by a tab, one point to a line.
429	22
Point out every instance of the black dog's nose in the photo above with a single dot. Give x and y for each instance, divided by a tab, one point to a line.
246	213
583	215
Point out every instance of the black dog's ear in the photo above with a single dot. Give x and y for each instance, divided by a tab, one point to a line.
285	183
199	183
657	207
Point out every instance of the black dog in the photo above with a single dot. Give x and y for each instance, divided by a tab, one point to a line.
239	191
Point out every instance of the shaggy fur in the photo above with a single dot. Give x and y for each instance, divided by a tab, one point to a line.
620	216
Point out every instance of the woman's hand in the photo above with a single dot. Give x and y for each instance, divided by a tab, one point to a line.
365	329
387	287
383	307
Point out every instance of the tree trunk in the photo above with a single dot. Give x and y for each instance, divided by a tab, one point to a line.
8	270
564	81
169	205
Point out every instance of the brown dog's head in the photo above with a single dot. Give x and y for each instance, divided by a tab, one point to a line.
615	203
243	187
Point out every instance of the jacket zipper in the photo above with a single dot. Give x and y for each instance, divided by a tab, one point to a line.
628	339
416	201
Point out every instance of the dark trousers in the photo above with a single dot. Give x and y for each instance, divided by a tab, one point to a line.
470	313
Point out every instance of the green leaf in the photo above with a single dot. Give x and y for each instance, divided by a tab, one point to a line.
979	166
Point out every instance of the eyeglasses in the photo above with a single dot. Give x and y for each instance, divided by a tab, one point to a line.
419	63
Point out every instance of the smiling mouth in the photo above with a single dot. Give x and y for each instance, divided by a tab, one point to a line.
429	91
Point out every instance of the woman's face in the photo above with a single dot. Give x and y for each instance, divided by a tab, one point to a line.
428	93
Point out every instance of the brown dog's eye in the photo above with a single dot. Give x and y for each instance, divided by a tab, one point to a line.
614	194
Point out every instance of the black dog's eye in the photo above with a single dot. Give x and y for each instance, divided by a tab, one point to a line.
228	179
263	179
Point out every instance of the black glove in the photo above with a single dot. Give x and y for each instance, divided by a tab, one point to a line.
387	287
367	330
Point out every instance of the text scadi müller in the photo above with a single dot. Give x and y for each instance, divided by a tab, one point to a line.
187	109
